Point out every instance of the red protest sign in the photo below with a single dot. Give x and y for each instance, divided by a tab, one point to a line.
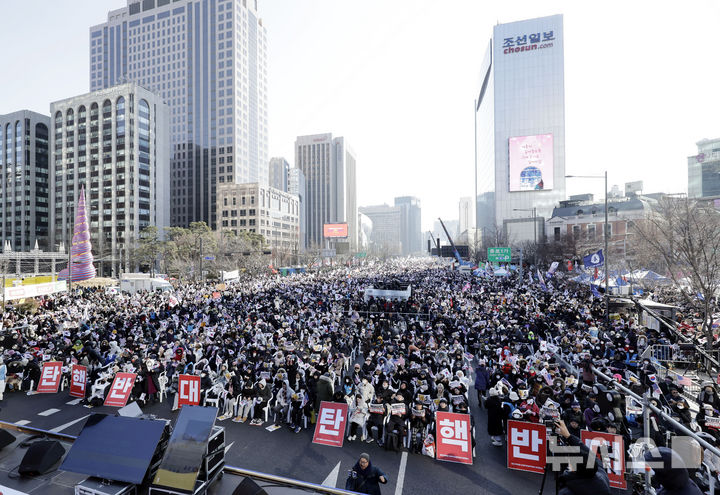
454	438
50	377
120	390
330	427
188	390
615	461
78	383
527	446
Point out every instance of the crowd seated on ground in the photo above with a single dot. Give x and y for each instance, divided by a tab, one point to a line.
270	350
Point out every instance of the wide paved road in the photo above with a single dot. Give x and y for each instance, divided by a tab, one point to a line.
285	453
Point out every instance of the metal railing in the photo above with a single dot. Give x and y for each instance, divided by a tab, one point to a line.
270	478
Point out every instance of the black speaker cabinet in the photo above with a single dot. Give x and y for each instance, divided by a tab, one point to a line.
41	457
6	438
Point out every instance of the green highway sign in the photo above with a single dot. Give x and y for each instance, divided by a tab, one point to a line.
499	254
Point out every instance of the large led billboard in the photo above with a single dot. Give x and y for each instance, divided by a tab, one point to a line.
531	163
335	230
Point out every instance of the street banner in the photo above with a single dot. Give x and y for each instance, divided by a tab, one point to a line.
614	463
120	389
78	381
454	438
188	390
527	446
330	427
50	377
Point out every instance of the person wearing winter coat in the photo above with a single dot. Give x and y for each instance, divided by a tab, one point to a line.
262	396
670	472
482	382
584	477
364	477
325	390
358	416
366	390
495	415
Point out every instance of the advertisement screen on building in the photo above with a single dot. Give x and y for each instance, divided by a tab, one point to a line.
531	163
335	230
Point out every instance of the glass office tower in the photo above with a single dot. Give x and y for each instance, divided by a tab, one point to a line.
521	128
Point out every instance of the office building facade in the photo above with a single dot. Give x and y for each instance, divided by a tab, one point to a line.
208	60
279	169
329	166
296	186
24	177
115	143
263	210
386	236
521	127
411	224
704	170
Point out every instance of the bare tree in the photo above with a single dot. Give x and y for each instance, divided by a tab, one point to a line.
685	234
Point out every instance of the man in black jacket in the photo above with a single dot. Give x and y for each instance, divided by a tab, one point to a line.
364	477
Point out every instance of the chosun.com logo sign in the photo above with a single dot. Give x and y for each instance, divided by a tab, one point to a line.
528	42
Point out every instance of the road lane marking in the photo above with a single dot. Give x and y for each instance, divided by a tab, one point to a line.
67	425
331	479
22	422
228	447
401	474
49	412
73	402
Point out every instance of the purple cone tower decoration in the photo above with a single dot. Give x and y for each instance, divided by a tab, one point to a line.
81	257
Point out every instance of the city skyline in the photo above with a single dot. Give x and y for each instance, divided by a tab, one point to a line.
622	95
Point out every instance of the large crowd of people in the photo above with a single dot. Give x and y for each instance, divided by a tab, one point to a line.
271	349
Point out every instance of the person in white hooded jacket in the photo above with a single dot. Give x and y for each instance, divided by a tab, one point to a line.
358	416
366	390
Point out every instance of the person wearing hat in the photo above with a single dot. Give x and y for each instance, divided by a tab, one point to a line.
583	477
364	477
262	397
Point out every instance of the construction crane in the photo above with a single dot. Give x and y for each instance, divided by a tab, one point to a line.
455	251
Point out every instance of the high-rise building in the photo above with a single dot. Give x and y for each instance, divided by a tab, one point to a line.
296	186
115	142
704	170
24	180
411	224
279	169
521	127
467	214
386	237
263	210
208	60
329	167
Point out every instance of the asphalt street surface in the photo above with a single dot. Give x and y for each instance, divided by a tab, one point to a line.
292	455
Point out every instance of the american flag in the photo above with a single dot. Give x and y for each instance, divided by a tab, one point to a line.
684	381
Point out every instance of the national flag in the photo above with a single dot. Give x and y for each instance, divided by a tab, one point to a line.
594	290
594	259
684	381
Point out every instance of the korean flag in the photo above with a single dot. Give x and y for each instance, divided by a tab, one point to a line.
595	259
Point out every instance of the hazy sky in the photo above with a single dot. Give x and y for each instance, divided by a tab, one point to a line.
397	78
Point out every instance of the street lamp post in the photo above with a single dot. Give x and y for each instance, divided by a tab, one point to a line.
477	258
607	271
